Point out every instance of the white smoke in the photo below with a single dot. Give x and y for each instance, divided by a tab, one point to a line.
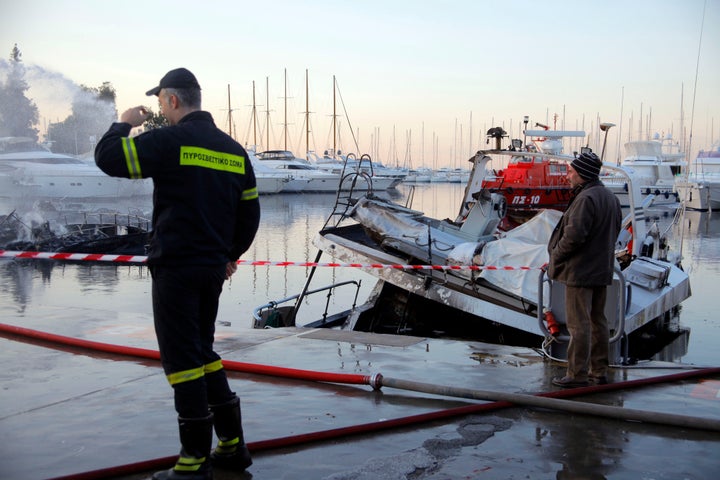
52	92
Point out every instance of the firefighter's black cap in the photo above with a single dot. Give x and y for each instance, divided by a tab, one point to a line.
178	78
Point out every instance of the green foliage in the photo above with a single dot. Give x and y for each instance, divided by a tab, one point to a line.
18	114
155	120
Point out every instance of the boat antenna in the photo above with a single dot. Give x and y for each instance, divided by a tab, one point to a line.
605	127
526	119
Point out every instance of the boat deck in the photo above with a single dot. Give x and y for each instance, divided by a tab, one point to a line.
67	410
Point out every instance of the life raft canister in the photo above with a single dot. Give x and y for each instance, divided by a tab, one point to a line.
552	324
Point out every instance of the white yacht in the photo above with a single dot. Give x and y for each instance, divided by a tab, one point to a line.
270	180
419	175
383	178
28	170
655	164
700	188
313	179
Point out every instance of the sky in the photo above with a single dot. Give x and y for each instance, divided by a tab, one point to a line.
418	82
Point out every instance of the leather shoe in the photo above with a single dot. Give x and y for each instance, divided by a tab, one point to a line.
569	382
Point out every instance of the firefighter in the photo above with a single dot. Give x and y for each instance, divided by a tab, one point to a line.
206	213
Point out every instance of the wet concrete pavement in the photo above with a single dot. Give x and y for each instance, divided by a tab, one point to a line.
66	411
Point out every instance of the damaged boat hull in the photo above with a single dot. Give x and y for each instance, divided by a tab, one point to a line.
464	279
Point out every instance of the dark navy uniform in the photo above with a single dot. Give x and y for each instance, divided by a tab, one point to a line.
205	214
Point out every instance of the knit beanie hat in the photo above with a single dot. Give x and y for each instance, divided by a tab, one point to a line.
587	165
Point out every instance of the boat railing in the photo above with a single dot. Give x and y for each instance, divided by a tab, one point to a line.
108	220
100	224
410	197
353	182
276	314
622	306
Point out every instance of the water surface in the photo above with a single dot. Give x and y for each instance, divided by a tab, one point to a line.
63	297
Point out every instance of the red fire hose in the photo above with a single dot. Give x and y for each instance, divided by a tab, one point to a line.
302	439
376	381
229	365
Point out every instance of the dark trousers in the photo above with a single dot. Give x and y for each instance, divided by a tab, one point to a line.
185	304
588	351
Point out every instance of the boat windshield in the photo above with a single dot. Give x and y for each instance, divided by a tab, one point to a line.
276	155
296	166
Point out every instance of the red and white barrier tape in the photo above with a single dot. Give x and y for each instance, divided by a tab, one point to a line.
101	257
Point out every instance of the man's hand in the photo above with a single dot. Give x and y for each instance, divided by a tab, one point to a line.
135	116
230	268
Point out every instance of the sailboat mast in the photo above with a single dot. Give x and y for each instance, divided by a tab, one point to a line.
622	105
334	119
254	118
267	113
229	114
682	118
285	125
307	114
422	147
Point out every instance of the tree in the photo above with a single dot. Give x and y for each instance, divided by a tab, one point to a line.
155	120
93	110
18	114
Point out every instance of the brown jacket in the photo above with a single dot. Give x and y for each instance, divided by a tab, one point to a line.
582	246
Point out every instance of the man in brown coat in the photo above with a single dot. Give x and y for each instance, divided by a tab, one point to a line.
582	256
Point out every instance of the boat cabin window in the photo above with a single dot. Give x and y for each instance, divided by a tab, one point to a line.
557	169
520	161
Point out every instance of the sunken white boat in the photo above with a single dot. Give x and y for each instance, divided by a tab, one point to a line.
463	278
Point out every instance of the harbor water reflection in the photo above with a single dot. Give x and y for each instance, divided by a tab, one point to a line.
36	294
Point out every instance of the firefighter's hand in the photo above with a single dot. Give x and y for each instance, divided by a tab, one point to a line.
230	268
135	116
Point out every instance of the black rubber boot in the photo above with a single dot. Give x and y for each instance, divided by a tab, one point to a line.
231	452
194	462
